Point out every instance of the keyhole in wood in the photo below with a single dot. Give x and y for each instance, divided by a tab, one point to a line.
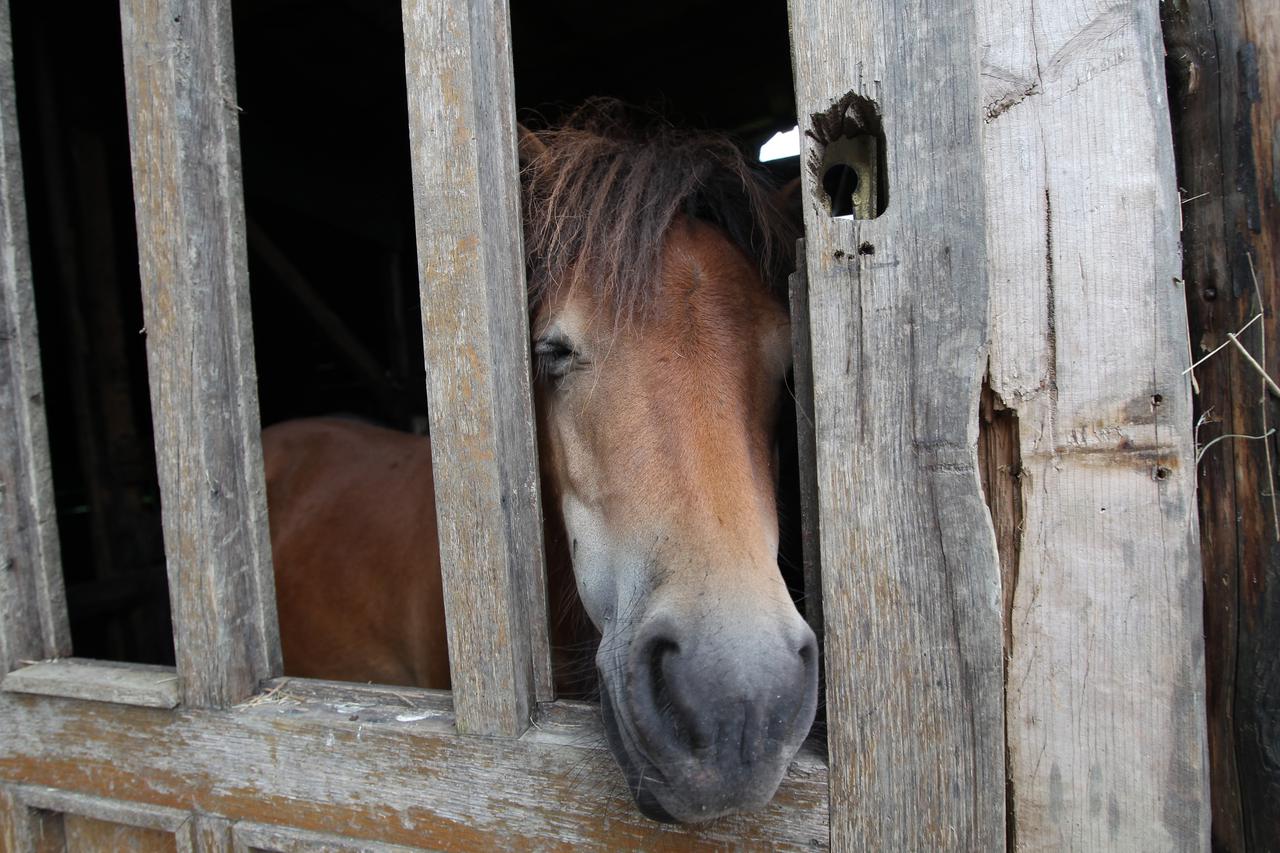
849	161
841	185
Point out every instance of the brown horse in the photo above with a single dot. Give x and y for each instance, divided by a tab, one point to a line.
660	356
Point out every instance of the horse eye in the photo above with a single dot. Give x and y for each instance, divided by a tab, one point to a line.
555	356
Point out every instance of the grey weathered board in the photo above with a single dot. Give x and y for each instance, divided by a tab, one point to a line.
910	580
184	140
1106	726
33	612
102	681
476	343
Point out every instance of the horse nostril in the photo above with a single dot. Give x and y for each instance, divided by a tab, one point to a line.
660	699
659	688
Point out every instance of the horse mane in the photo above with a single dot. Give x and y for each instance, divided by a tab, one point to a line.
599	199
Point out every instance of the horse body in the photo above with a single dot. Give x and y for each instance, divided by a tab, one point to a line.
660	355
353	537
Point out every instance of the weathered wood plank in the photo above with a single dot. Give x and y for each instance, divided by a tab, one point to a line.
1105	685
111	811
375	778
254	837
27	830
211	834
33	611
101	681
1225	63
910	581
90	835
190	213
476	342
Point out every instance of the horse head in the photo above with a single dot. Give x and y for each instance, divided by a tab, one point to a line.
660	355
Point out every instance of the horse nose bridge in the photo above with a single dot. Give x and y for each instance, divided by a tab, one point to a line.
721	470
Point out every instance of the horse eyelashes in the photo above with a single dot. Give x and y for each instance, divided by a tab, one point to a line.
556	356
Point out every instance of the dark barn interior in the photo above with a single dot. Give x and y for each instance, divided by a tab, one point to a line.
328	198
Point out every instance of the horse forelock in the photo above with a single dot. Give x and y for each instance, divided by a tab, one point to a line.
600	196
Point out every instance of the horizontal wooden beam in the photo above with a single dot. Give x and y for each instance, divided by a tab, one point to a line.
378	771
102	681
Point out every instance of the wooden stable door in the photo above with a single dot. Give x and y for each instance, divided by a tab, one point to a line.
220	752
1016	219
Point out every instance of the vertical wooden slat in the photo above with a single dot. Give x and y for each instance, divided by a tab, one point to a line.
1225	64
802	351
898	304
475	338
1106	725
212	834
33	612
186	172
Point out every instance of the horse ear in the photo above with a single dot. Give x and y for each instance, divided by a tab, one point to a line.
530	145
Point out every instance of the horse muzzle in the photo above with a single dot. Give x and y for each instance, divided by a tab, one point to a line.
704	715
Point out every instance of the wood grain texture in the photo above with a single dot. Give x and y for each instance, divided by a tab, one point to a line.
910	580
1105	703
191	242
33	610
89	835
24	829
165	820
211	834
377	778
476	343
1224	60
101	681
255	837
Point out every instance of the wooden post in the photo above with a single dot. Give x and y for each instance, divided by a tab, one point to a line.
1105	692
1225	63
476	341
898	311
191	243
33	611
